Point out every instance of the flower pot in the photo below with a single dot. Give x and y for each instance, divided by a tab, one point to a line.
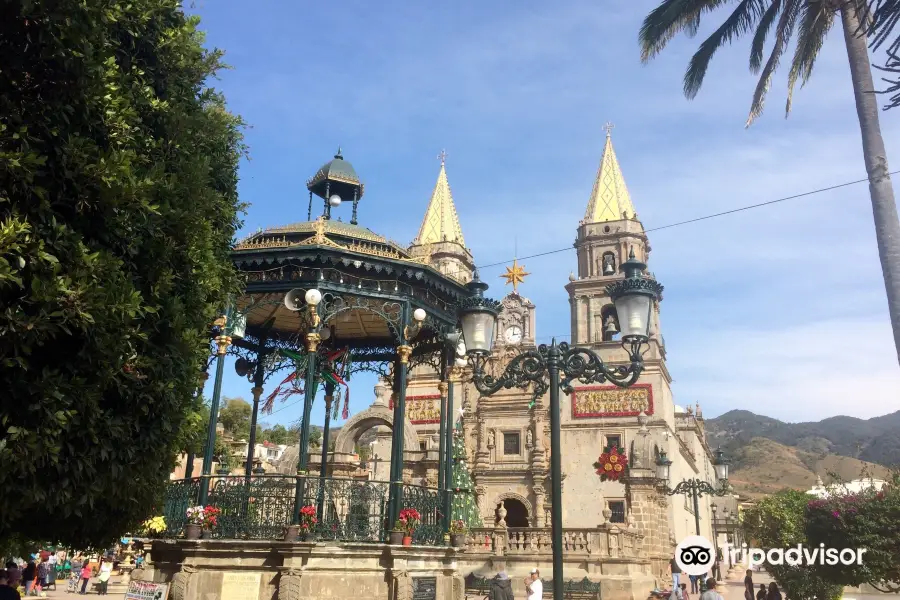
206	535
291	533
458	540
192	532
407	540
396	538
309	536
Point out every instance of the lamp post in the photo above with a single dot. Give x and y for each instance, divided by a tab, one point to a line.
718	573
634	299
695	488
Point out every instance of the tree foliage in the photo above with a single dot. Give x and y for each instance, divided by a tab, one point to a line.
779	521
235	417
277	434
868	519
118	206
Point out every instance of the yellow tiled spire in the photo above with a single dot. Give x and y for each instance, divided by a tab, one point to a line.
609	198
441	223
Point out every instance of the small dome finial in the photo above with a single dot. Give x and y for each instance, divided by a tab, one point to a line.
339	155
608	127
631	253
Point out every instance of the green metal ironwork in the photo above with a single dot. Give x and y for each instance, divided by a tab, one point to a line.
352	510
180	495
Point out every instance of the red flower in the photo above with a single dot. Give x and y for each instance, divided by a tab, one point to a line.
612	464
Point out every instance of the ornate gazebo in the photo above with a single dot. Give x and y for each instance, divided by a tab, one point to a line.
324	299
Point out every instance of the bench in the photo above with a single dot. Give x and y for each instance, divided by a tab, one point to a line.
480	587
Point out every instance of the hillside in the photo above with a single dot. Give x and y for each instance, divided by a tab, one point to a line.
763	466
873	440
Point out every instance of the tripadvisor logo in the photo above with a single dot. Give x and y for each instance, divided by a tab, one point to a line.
799	555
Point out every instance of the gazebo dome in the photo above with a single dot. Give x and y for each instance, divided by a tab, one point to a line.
337	176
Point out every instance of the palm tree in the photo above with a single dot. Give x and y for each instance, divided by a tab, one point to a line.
810	21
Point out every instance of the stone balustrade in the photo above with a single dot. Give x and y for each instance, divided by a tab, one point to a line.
604	541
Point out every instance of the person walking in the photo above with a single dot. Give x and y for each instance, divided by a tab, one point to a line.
28	576
749	588
711	592
534	587
773	594
761	594
501	587
676	573
106	568
86	573
695	583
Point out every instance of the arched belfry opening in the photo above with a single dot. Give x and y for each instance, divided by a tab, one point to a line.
610	322
516	513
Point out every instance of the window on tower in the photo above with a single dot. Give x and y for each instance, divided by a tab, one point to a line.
618	511
511	442
614	440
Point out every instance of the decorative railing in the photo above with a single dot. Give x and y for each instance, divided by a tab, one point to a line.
605	541
261	508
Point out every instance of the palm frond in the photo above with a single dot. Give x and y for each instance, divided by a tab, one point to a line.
815	22
741	21
668	19
783	32
884	18
762	32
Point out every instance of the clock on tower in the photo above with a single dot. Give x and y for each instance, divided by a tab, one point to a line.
515	321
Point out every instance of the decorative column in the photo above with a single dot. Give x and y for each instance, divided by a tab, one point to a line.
323	466
312	345
401	367
256	390
539	511
222	343
590	320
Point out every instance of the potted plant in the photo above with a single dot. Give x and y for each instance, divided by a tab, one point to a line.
458	532
307	523
194	523
210	520
409	519
397	534
154	526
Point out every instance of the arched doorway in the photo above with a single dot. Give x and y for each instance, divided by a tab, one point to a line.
516	513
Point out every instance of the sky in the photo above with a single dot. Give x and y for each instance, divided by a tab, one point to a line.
779	310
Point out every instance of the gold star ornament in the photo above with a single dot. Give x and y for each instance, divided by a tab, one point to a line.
515	275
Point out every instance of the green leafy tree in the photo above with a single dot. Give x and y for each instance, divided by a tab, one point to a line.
195	427
808	22
223	455
315	437
277	434
868	519
118	207
235	417
463	505
779	521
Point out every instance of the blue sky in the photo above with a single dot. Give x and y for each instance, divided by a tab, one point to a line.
778	310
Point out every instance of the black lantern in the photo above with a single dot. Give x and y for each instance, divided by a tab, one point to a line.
663	466
634	298
720	464
478	316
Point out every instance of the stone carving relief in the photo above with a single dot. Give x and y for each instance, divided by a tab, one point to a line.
289	585
610	401
180	583
402	585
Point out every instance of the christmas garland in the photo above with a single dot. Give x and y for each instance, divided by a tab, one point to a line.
333	368
612	464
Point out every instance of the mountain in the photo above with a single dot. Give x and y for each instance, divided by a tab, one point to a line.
768	455
874	440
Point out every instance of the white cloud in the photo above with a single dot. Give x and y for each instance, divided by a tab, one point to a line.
802	373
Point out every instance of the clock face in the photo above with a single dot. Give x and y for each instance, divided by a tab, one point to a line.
513	334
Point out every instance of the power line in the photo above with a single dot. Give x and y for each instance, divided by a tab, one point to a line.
704	218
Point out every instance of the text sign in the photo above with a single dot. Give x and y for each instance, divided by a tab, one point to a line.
145	590
424	588
240	586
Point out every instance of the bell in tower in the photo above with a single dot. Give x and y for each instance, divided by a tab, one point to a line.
609	264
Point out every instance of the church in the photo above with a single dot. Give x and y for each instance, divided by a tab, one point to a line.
508	436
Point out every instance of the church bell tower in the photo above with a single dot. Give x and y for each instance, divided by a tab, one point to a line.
608	234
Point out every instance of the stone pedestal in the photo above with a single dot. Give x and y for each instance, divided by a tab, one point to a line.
257	570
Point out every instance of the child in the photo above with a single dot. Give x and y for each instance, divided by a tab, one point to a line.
684	592
761	594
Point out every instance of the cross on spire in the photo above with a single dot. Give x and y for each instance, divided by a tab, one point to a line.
442	157
608	127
